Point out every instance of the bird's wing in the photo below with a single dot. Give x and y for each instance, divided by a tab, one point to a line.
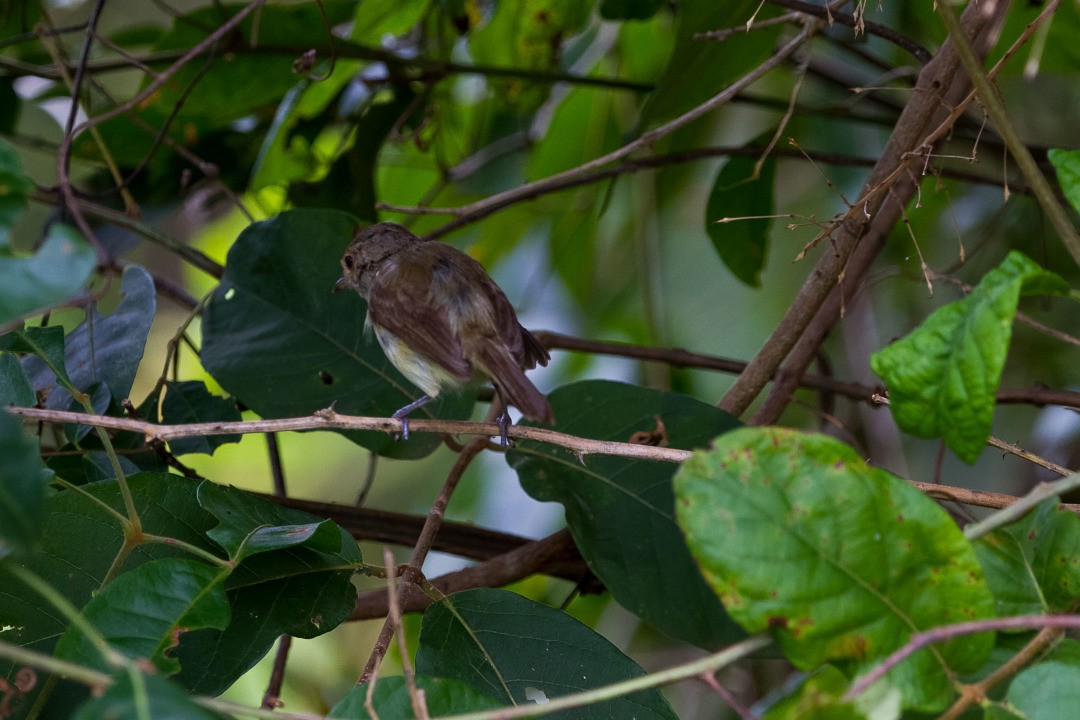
400	302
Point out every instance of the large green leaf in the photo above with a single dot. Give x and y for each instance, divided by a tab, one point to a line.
741	243
942	377
820	697
277	337
237	84
22	488
1031	565
841	561
391	699
103	349
621	511
143	612
137	695
56	272
514	649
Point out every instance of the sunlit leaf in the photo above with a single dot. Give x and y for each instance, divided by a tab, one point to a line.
841	561
942	377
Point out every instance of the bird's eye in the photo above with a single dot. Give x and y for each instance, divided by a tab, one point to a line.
348	260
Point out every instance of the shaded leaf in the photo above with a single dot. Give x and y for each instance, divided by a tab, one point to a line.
22	488
134	695
249	525
629	9
700	69
15	388
56	272
47	343
1067	165
741	244
391	699
1049	690
276	336
621	511
105	349
942	376
296	590
1033	565
190	402
14	187
841	561
143	612
509	647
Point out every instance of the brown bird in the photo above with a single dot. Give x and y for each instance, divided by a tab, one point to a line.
442	321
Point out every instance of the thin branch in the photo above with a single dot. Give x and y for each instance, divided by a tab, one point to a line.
329	419
914	133
883	31
471	213
948	632
412	571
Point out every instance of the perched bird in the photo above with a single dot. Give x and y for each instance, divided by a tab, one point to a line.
442	321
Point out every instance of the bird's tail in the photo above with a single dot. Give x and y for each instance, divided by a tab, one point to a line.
516	389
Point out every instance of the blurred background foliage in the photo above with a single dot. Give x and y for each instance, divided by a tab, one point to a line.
393	109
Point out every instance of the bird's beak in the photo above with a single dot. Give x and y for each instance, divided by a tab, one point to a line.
340	284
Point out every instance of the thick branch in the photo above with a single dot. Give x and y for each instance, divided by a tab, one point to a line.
914	133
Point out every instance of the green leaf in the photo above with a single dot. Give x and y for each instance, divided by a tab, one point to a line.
841	561
143	612
104	349
190	402
246	81
138	695
22	488
276	336
820	697
56	272
630	9
526	33
1067	165
376	19
297	590
14	187
698	69
621	511
250	525
1033	565
741	244
942	377
510	648
1051	689
15	389
45	342
391	699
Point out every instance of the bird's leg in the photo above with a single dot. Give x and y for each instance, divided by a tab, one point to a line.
503	418
503	421
403	413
